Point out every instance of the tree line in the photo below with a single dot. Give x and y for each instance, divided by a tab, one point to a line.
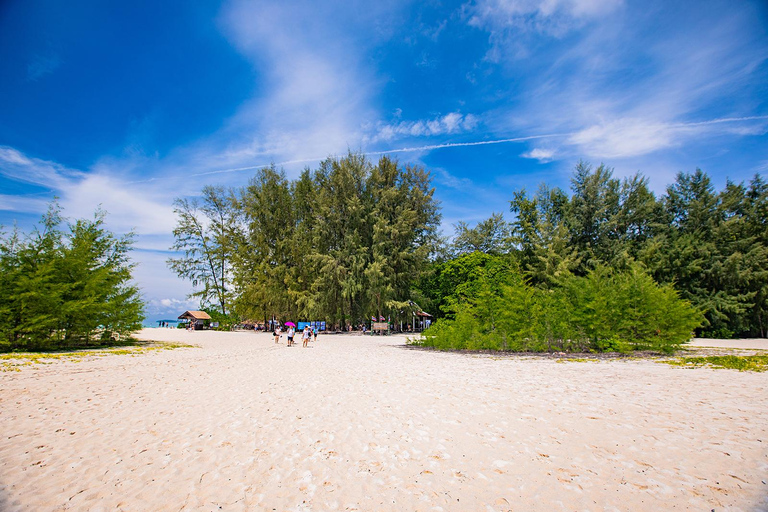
711	246
355	239
340	243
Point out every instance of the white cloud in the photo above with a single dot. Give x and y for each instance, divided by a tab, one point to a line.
542	155
629	137
130	206
625	88
171	307
552	17
18	167
448	124
447	179
624	138
22	204
316	86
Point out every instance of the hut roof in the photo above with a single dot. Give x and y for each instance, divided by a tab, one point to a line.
196	315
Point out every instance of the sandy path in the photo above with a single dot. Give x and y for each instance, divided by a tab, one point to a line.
364	424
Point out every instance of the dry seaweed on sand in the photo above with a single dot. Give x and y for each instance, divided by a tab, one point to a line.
14	361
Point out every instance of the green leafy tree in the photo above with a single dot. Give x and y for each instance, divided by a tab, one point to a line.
264	247
64	289
492	235
203	236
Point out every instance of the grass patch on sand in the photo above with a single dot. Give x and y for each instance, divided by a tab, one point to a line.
753	363
15	361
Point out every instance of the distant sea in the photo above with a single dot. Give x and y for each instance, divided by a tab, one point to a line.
153	321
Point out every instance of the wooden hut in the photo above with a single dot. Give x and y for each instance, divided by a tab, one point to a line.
196	318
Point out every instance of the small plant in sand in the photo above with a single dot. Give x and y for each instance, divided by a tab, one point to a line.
753	363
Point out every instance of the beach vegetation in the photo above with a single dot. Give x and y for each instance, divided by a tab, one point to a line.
752	363
15	361
66	287
606	310
710	246
342	243
203	240
355	240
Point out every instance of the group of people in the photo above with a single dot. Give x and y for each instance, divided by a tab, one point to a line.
307	334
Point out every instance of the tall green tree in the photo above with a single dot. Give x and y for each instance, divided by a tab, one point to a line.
203	236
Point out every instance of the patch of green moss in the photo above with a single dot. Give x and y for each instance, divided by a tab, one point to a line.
753	363
13	362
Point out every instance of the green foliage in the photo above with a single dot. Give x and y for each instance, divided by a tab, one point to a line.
602	311
14	362
226	322
204	237
712	247
64	289
491	236
754	363
450	282
341	243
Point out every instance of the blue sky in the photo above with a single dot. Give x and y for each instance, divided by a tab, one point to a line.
131	104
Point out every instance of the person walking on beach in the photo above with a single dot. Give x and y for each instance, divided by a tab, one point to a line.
276	333
290	334
314	334
305	337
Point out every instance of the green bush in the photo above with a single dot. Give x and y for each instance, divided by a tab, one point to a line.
602	311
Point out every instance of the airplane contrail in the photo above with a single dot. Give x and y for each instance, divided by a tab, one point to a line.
458	145
462	144
723	120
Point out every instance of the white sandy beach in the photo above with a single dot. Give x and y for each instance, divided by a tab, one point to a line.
363	423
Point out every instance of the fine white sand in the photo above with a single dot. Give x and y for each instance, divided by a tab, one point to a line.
363	423
756	343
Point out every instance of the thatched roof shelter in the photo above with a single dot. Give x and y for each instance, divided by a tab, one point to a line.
197	319
194	315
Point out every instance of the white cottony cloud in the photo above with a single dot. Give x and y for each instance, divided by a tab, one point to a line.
542	155
170	307
448	124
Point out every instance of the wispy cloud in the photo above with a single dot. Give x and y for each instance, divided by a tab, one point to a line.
317	89
22	204
42	65
18	167
451	123
509	22
620	89
628	137
131	206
